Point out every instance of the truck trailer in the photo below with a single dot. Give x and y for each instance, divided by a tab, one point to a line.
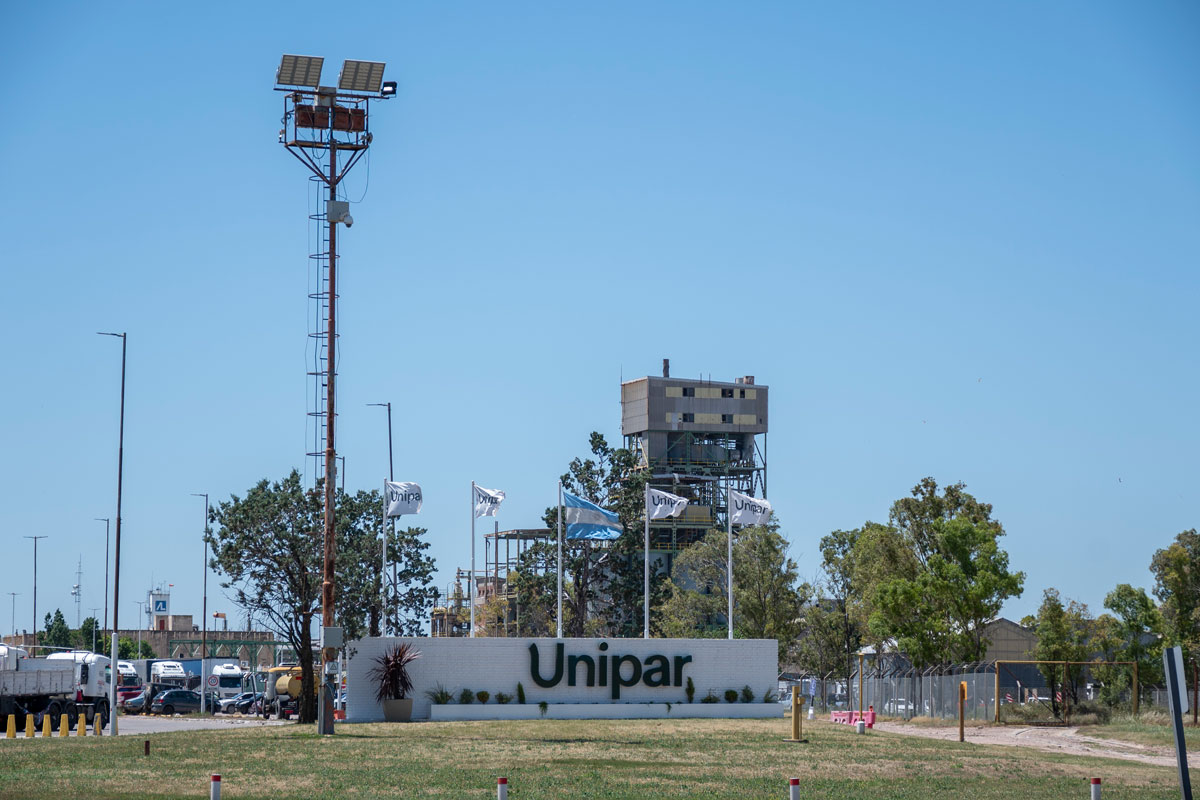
73	683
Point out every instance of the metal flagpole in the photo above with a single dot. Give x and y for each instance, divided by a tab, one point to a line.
729	561
646	564
560	632
471	589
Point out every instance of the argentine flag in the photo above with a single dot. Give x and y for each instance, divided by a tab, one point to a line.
587	520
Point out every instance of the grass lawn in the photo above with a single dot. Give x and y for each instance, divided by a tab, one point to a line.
1153	728
736	759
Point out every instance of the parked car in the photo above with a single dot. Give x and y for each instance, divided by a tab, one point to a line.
900	707
135	704
247	706
229	704
180	701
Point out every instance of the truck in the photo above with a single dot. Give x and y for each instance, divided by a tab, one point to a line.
73	683
229	680
129	683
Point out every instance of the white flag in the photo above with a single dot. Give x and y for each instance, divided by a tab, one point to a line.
748	510
662	504
487	502
403	498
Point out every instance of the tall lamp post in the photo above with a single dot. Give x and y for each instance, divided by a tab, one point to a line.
105	520
14	615
383	545
204	614
112	698
35	541
140	604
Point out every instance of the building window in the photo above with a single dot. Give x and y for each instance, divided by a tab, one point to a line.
689	391
742	394
727	419
688	417
727	393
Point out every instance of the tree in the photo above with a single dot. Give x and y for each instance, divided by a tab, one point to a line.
269	547
1138	630
838	625
1177	586
962	579
767	600
1063	634
412	594
56	634
536	580
89	633
127	649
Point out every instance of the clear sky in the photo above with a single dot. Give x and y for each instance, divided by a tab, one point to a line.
957	240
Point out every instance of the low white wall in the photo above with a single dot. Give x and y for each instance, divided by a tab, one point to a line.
497	665
720	710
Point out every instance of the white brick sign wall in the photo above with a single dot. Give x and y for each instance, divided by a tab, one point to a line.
644	670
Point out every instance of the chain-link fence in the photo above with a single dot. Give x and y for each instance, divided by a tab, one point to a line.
932	692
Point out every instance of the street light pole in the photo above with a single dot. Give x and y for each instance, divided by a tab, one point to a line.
14	615
140	603
112	699
204	613
35	541
105	520
383	544
94	626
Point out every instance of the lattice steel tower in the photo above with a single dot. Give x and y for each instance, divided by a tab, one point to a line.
319	123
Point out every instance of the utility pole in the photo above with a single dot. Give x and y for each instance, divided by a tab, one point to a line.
35	541
94	626
386	526
204	613
112	700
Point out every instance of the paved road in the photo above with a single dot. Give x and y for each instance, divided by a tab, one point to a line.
141	725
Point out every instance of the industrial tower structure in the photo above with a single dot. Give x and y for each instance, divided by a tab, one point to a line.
695	437
319	123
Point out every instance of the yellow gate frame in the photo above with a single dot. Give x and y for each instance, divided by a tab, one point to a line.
1064	665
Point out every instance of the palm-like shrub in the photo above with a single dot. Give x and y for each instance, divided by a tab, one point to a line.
391	672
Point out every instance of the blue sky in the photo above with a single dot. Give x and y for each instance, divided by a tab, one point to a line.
956	240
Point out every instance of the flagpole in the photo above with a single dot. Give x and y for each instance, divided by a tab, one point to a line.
729	562
646	564
471	589
560	549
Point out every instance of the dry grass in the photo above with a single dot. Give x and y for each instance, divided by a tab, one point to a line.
736	759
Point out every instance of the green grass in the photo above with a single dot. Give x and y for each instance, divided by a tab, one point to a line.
1149	727
615	759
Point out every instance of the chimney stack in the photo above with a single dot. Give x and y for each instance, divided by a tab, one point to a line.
666	367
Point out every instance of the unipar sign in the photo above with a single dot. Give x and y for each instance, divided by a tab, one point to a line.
609	671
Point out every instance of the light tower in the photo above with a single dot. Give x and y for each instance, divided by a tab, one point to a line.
319	122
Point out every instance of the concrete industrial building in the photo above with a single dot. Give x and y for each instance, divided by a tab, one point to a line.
696	437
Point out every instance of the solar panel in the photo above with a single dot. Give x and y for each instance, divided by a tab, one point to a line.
300	71
361	76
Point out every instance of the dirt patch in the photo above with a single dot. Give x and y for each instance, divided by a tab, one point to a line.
1067	741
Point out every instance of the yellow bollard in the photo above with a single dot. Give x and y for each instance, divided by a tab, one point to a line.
46	728
99	731
797	708
30	727
81	725
64	726
11	727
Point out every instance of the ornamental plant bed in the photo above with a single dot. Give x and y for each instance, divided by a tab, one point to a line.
449	712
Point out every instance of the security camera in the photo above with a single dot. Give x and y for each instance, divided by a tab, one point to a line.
349	220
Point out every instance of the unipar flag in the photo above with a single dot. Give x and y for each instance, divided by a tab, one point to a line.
587	520
748	510
663	504
403	498
487	502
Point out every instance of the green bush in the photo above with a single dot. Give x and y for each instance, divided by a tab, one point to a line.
543	707
731	695
710	698
466	697
502	698
439	695
690	690
747	694
482	697
769	696
520	693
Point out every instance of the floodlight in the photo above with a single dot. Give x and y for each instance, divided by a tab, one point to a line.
300	71
361	76
389	89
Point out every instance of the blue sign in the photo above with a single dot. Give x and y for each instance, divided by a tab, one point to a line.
160	606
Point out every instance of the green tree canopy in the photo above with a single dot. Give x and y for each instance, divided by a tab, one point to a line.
1176	571
56	633
1063	634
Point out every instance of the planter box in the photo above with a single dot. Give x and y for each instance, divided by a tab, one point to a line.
473	711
